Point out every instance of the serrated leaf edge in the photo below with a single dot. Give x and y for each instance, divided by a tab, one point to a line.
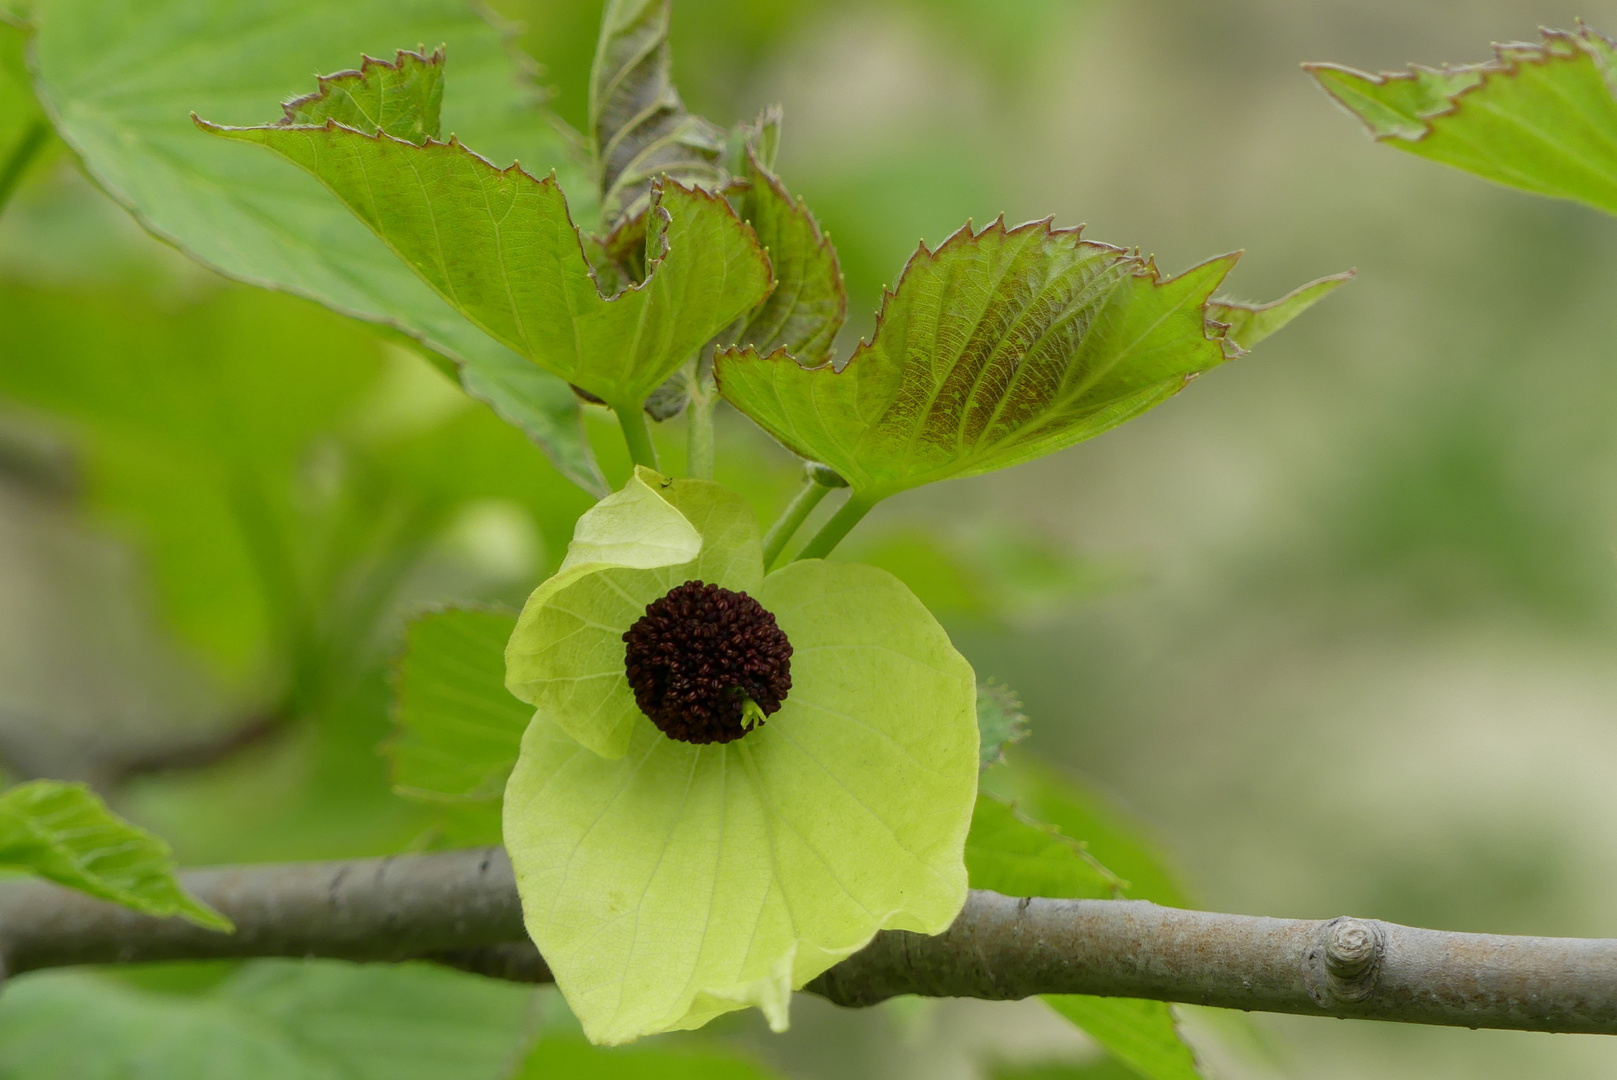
822	239
454	143
1139	266
366	64
1507	62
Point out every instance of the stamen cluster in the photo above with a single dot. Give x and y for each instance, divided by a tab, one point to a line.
699	654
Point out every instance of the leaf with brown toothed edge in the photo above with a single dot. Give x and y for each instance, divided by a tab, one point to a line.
403	97
810	303
998	347
1541	117
639	126
499	246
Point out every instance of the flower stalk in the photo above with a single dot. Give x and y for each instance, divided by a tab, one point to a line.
842	522
791	519
637	433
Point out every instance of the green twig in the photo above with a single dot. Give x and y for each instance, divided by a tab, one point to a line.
699	425
17	162
832	532
791	519
637	433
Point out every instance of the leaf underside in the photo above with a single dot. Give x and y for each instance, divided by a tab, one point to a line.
403	98
638	123
64	833
998	347
499	246
809	303
1011	854
1541	117
122	77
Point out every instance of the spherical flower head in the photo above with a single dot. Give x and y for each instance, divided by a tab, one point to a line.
701	655
731	780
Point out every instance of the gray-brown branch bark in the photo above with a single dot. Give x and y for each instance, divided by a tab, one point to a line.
461	908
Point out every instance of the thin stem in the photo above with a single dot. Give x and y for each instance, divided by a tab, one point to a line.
832	532
699	429
791	519
32	141
637	433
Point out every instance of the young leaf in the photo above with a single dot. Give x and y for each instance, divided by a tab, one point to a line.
458	729
63	832
272	1020
403	98
1251	323
498	245
1539	117
638	124
122	76
1000	720
1011	854
998	347
809	303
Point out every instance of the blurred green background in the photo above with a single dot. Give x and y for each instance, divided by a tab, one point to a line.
1338	623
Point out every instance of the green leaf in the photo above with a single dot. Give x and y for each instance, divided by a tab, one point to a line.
64	833
561	1058
1539	117
457	728
809	303
1251	323
674	882
1000	721
1113	839
274	1020
498	245
998	347
638	124
1143	1034
23	127
403	99
123	76
1011	854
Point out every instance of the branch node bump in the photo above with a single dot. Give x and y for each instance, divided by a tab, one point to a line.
1344	960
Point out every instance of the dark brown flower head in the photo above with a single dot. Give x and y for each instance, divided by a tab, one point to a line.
699	654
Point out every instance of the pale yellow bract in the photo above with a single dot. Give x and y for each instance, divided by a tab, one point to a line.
667	883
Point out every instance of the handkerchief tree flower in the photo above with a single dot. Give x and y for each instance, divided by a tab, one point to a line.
732	779
737	768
